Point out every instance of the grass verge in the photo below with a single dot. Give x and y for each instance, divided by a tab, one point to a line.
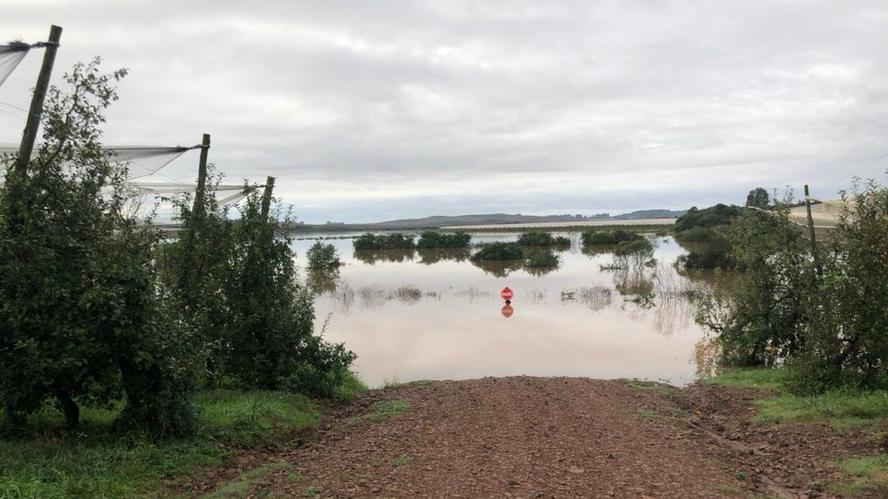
840	407
47	461
383	410
870	476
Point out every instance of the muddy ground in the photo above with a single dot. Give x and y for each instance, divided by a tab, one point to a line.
547	437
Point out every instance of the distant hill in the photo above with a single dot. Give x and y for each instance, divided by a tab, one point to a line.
435	222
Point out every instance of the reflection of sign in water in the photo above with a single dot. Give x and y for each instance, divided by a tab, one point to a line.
507	311
506	293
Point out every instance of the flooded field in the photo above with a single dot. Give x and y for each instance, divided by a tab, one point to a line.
436	315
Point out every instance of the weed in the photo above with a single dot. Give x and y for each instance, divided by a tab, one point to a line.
383	410
402	460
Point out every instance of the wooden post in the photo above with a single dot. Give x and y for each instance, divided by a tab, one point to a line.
266	197
811	233
200	193
29	136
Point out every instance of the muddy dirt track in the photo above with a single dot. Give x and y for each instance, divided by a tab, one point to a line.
550	437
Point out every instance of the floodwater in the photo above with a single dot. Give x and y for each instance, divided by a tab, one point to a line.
435	315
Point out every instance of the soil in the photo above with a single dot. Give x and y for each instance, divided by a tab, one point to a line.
553	437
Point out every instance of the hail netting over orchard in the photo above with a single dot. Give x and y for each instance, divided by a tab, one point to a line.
141	161
11	55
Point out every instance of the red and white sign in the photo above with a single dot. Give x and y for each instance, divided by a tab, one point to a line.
506	293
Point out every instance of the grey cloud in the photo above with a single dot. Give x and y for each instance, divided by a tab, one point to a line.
419	98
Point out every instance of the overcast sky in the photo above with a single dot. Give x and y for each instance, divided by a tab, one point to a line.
372	110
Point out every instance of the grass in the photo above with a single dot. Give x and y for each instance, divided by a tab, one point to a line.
402	460
840	407
350	388
748	378
870	476
47	461
383	410
242	484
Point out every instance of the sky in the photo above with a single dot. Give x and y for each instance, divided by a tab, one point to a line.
375	110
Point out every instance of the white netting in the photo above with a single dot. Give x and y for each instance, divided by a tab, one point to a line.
11	55
142	161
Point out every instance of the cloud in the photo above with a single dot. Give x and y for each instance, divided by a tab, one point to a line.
372	110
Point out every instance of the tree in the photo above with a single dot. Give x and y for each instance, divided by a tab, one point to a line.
758	198
78	306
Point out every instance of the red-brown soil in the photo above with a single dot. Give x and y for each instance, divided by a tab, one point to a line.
553	437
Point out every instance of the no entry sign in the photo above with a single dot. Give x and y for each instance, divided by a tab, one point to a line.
506	293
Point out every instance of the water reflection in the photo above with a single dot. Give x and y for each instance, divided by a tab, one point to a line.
433	315
433	256
371	257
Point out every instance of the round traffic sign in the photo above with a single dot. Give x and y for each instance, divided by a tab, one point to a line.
506	293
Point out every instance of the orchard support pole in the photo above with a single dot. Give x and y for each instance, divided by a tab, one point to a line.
811	233
32	126
200	193
266	197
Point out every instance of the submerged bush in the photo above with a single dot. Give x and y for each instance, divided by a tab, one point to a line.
443	240
626	248
542	239
322	257
498	251
609	236
538	257
371	241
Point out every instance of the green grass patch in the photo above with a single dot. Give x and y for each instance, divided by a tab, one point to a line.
46	461
839	407
402	460
749	378
350	388
242	484
382	410
870	476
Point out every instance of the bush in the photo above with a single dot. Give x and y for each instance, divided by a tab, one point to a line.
498	251
824	314
370	241
626	248
322	257
542	239
442	240
540	258
715	254
718	215
609	236
698	235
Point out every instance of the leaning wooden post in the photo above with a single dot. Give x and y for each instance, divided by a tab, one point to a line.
200	193
811	233
32	125
266	197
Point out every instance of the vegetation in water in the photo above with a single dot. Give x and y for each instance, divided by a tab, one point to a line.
498	251
371	257
594	237
322	257
822	314
443	240
636	246
542	239
373	242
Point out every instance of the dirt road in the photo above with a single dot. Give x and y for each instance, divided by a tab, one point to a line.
546	437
